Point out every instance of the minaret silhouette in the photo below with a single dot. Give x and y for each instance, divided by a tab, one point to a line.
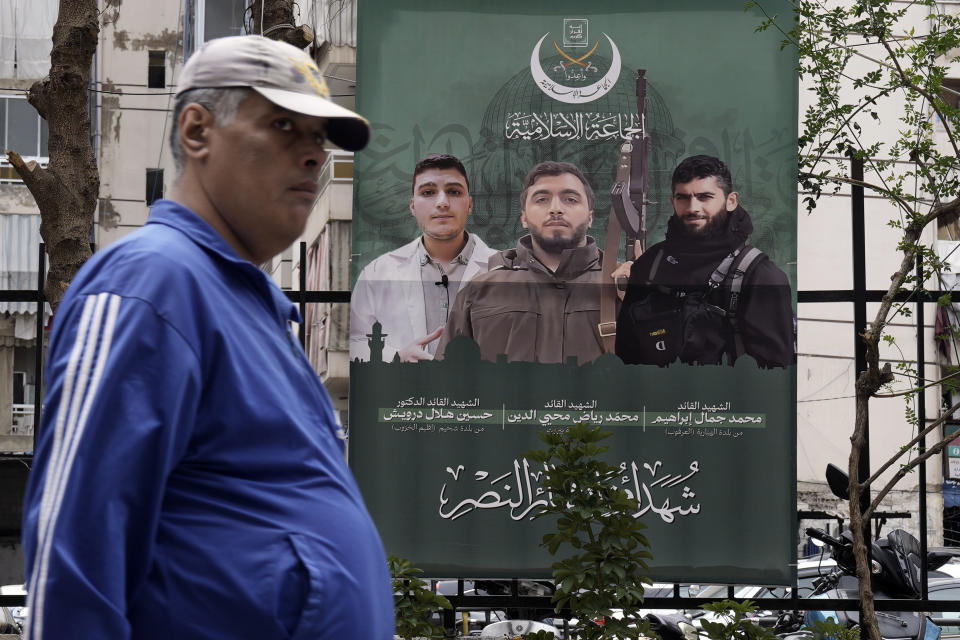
376	342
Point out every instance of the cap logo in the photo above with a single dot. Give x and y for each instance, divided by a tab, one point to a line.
311	74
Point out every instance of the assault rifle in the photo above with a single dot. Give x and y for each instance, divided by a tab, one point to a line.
628	214
628	196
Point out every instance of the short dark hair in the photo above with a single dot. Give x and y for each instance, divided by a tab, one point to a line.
551	168
696	167
439	161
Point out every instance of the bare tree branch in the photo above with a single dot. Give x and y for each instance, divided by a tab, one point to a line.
916	440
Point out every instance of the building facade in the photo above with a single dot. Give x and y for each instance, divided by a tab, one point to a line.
141	50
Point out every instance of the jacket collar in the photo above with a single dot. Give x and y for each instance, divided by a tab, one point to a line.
176	216
573	262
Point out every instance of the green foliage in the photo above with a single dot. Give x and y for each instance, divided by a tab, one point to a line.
606	566
830	629
735	622
414	601
877	93
875	71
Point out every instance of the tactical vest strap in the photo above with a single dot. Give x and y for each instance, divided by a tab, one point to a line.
720	273
655	265
747	259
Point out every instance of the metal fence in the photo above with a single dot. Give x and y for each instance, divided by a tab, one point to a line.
513	600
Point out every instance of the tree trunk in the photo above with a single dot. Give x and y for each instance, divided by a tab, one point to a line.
868	618
66	192
278	22
868	383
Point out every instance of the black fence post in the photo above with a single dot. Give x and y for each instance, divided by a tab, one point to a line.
859	325
860	318
303	295
921	424
38	361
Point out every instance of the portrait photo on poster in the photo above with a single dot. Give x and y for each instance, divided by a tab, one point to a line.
577	221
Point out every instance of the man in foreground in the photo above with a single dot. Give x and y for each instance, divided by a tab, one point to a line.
409	290
539	302
189	479
703	295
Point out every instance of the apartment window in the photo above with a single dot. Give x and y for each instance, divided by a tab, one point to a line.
220	18
25	28
209	19
21	130
154	185
157	70
19	387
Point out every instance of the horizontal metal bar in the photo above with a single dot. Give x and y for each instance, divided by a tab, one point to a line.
807	604
30	295
826	295
319	296
873	295
824	515
18	295
543	602
813	296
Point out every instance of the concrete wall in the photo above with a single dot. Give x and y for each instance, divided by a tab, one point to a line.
132	118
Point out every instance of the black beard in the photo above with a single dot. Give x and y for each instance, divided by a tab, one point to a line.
715	227
556	245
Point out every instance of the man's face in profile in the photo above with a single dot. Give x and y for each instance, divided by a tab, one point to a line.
702	206
260	173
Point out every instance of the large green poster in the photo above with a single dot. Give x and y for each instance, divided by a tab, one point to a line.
707	450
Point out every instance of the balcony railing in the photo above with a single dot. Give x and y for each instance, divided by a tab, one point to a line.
22	424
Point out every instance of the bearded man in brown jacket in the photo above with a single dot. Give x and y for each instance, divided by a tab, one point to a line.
539	302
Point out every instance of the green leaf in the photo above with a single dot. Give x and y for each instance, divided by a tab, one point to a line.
594	517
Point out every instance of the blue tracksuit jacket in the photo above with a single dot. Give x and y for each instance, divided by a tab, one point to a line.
189	479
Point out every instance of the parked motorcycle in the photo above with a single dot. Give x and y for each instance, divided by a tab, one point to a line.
895	573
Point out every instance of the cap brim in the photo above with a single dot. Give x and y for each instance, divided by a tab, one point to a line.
346	129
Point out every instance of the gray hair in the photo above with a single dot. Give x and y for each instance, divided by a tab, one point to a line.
222	103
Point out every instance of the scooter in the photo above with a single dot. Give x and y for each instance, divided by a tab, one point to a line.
895	573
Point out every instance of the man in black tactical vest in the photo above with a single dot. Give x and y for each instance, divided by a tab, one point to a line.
703	295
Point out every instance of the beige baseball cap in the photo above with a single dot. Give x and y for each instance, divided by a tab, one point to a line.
281	73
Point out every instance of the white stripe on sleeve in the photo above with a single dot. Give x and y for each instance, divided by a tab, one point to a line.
90	351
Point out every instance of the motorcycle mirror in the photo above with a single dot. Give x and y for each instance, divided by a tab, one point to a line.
838	481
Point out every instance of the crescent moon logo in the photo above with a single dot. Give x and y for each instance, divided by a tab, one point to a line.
574	95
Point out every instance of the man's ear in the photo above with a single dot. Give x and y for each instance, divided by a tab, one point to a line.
523	219
590	220
413	211
732	199
195	125
469	205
